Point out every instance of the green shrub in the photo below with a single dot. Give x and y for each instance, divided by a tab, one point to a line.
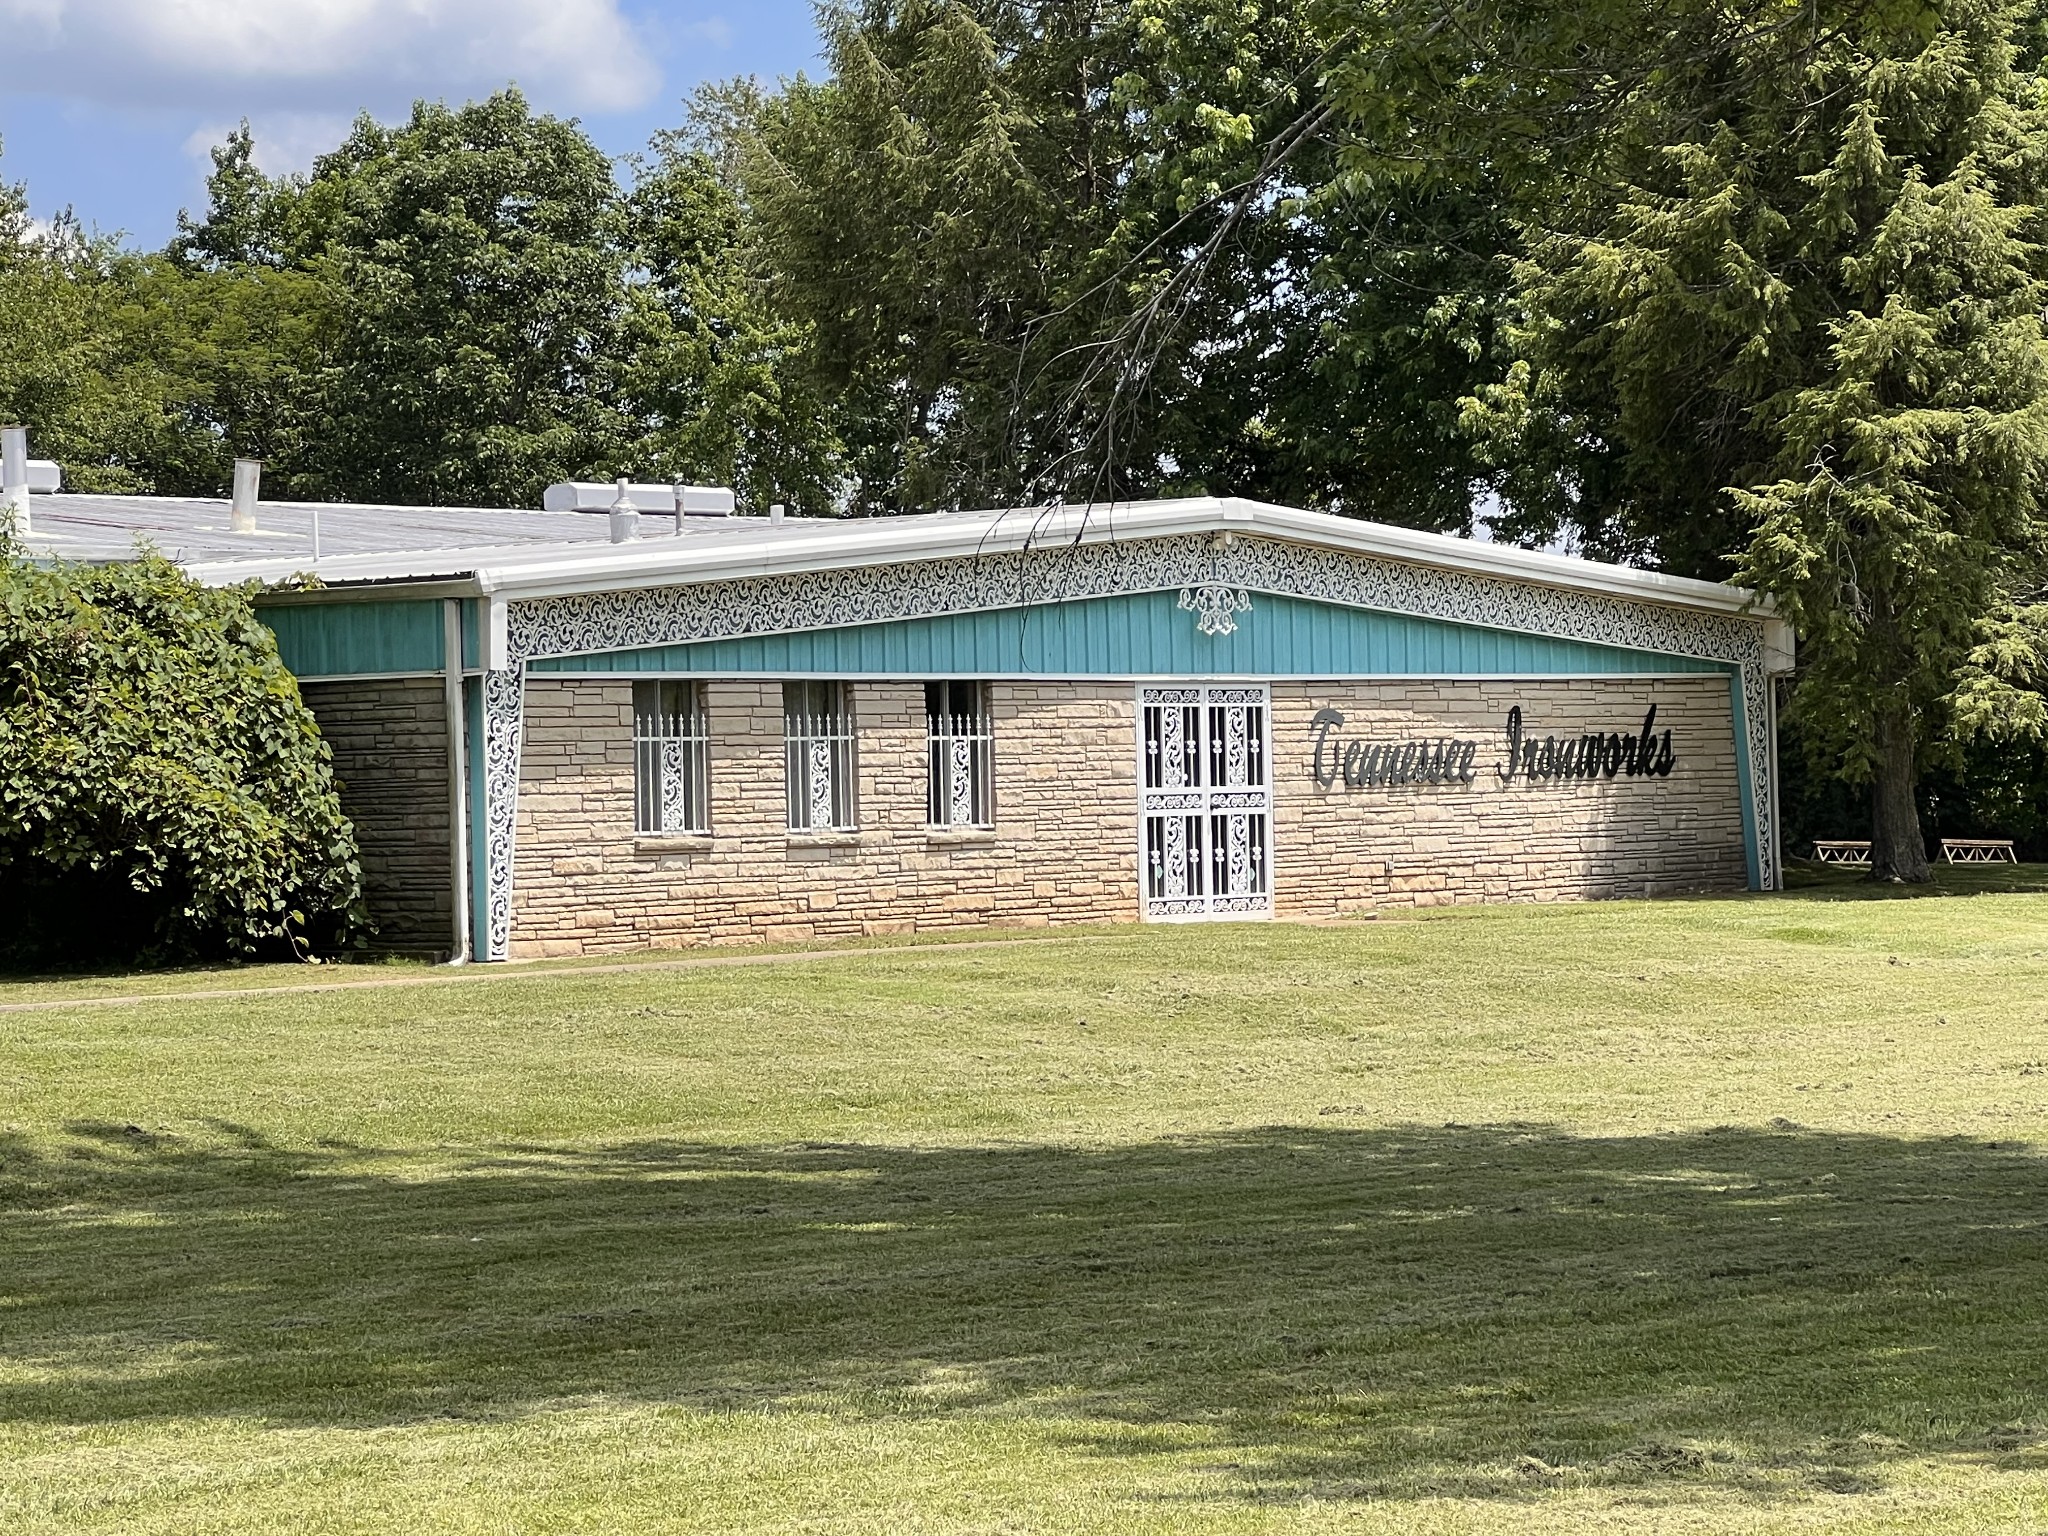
163	791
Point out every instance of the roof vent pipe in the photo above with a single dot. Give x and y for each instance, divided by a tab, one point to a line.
776	512
14	480
248	481
625	516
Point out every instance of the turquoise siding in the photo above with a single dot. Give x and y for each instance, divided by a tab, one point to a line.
1142	635
352	639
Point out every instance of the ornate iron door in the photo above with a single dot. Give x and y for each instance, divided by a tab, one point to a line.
1205	800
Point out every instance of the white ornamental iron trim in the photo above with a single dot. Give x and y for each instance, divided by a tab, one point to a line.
1215	605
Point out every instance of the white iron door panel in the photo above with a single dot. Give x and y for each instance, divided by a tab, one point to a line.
1205	800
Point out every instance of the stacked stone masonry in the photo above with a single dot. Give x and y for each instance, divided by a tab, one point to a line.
389	737
1061	851
1339	850
1064	848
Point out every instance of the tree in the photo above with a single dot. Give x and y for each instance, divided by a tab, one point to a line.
922	211
1088	250
474	278
1781	321
723	388
162	788
1334	317
243	208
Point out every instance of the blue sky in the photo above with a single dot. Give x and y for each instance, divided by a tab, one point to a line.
109	105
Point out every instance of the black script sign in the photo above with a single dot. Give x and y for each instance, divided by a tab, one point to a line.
1645	754
1363	763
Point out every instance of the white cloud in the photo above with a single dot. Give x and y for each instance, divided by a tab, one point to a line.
715	30
309	59
284	141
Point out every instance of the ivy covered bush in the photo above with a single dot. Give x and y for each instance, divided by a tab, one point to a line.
164	793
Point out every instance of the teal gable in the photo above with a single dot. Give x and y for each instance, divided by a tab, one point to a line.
1145	634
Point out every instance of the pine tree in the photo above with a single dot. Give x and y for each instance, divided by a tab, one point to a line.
1784	322
1910	468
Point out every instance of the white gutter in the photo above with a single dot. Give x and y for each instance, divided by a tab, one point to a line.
524	571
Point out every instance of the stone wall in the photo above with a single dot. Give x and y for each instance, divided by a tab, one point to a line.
1064	844
389	737
1339	849
1063	848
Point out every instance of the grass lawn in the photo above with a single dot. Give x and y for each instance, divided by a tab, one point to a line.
1700	1216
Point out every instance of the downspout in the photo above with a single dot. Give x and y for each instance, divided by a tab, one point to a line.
458	774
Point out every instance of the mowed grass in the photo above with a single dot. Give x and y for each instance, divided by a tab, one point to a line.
1691	1216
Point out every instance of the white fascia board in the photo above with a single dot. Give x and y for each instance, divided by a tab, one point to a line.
523	571
885	540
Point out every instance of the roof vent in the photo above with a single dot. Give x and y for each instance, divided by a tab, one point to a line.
598	496
14	480
242	510
625	516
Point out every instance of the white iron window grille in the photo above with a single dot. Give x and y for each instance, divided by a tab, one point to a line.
817	724
671	759
962	740
1205	800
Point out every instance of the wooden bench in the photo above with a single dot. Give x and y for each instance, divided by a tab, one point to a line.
1840	851
1978	850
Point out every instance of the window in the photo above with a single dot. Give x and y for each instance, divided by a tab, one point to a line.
962	786
671	759
817	725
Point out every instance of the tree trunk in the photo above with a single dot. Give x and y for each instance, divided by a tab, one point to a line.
1898	853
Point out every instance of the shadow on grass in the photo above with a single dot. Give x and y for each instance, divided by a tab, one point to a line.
1805	878
1489	1311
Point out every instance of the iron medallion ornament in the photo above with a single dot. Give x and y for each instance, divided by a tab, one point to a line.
1215	606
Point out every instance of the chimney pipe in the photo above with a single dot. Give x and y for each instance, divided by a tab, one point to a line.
625	516
248	481
14	480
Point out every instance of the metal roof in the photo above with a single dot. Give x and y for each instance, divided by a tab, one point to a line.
514	553
194	530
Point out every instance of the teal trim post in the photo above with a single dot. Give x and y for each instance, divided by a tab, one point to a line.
1745	796
479	852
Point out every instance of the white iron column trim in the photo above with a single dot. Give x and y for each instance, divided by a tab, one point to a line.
504	712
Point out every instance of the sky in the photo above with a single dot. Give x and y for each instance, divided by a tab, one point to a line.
110	106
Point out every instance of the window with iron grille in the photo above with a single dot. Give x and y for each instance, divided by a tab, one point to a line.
962	738
817	725
671	759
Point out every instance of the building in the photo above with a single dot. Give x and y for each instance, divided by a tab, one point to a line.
728	728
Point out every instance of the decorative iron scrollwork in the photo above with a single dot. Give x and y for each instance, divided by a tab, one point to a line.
1216	605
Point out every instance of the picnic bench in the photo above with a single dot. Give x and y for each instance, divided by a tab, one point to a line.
1978	850
1841	850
